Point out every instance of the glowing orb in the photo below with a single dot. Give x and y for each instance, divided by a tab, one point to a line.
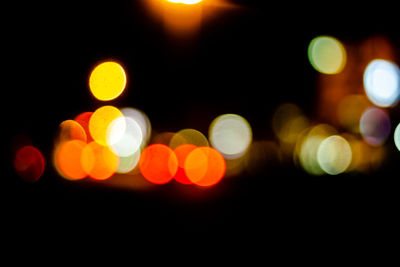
205	166
397	136
327	55
71	130
142	120
158	164
375	126
382	82
124	136
99	124
29	163
231	135
98	161
334	155
107	81
308	145
181	153
69	159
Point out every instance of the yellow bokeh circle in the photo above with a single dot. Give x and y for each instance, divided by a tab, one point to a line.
107	81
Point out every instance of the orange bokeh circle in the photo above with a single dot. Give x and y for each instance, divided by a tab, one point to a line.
98	161
158	164
69	159
205	166
181	153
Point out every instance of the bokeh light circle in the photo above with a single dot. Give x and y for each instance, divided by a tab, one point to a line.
158	164
205	166
69	159
231	135
142	119
181	153
71	130
124	135
382	82
98	161
100	121
375	126
396	136
334	155
29	163
107	81
327	54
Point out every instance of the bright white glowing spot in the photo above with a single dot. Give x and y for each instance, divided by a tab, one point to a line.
125	136
334	155
142	120
381	82
231	135
327	55
397	136
375	126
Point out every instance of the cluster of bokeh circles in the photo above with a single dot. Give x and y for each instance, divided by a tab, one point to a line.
109	140
113	140
355	105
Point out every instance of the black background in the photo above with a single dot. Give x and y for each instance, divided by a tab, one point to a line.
246	60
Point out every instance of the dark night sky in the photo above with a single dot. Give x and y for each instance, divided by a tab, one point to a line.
246	60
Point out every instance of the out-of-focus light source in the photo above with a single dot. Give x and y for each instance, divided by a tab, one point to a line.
327	54
231	135
142	120
307	147
382	82
69	160
107	81
375	126
99	124
205	166
124	136
334	155
397	136
181	18
70	130
98	161
29	163
158	164
182	153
